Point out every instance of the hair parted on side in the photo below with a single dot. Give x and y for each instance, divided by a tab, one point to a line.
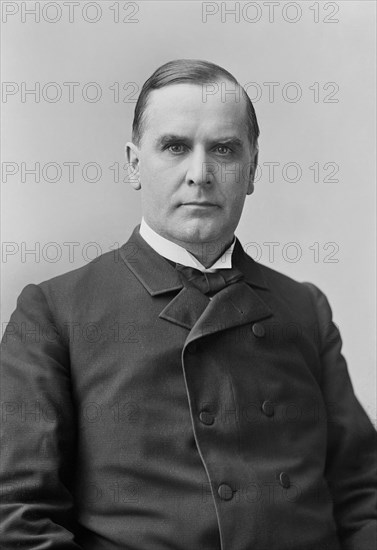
194	71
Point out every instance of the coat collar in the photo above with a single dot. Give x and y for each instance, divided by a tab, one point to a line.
235	305
159	277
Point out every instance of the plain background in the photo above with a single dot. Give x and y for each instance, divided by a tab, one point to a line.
326	55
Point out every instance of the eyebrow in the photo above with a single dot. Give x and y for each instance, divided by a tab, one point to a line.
168	138
226	140
231	140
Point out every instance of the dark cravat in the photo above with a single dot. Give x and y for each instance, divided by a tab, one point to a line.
210	282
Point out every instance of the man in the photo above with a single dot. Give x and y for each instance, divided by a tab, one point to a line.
175	393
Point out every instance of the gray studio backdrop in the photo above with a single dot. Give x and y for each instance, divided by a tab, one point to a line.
71	76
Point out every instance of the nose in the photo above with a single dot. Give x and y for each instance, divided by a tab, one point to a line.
199	170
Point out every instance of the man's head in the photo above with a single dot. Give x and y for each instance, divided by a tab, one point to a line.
194	151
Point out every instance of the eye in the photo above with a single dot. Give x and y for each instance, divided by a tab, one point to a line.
223	149
176	148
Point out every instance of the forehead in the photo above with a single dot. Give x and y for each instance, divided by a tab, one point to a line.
196	108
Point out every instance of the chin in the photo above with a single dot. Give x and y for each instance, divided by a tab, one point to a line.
199	232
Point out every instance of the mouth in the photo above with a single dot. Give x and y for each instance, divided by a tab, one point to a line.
199	204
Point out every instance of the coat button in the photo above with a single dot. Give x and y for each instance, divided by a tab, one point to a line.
268	408
225	492
206	418
284	480
258	330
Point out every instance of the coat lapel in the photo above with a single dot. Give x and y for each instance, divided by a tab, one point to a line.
235	305
159	277
153	271
186	308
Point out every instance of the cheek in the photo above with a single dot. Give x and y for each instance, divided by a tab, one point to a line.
157	196
151	182
160	185
235	196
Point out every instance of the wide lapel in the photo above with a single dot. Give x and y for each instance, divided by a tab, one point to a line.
237	304
186	308
159	277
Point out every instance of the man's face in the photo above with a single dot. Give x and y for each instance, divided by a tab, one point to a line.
195	164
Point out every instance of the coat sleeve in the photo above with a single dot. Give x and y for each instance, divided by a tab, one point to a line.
38	434
351	470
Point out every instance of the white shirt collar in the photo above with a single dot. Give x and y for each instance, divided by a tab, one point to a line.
180	255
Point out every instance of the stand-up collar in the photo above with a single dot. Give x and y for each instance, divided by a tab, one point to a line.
180	255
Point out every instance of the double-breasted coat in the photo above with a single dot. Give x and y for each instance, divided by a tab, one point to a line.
138	414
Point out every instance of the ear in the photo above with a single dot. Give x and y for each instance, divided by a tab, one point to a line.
253	168
132	154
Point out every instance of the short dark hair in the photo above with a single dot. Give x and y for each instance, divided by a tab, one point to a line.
195	71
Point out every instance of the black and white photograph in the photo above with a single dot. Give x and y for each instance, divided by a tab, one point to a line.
188	264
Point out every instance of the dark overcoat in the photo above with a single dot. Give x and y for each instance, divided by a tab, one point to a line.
140	415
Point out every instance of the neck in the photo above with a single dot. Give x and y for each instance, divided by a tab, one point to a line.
207	253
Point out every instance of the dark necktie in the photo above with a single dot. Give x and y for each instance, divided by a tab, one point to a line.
210	283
